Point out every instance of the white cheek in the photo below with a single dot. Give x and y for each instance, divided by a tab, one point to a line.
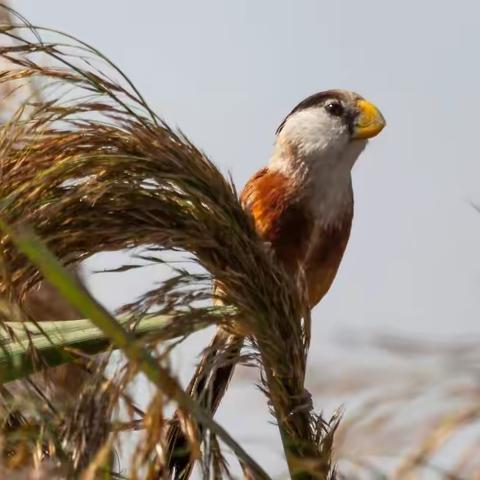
314	130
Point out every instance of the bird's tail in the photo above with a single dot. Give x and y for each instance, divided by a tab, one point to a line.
207	386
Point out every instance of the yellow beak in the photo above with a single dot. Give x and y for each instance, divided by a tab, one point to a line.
369	121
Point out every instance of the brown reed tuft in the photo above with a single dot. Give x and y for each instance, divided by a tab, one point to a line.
91	168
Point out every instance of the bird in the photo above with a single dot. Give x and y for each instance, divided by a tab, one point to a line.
302	207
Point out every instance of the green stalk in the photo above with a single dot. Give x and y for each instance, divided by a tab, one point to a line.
15	355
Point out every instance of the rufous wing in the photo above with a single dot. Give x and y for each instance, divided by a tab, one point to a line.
284	219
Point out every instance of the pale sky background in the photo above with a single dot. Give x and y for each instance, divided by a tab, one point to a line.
227	72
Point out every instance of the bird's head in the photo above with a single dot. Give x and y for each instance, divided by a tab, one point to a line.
328	127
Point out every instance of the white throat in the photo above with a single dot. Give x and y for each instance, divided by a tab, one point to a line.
322	177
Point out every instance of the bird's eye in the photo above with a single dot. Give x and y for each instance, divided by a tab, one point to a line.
335	108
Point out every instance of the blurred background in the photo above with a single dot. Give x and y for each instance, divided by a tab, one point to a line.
400	325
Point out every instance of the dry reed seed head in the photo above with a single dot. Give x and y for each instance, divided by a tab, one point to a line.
98	171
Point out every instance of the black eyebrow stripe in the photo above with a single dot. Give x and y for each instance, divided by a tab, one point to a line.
311	101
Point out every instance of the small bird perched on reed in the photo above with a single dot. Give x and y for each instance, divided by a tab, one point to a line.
302	206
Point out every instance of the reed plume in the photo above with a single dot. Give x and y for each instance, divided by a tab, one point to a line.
91	168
